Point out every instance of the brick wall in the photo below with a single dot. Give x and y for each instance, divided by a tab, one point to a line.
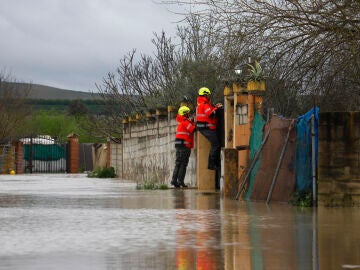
339	159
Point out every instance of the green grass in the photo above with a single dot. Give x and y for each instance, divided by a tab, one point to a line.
151	185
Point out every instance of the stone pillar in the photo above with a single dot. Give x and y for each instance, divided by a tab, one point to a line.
108	153
241	102
73	154
8	159
230	168
205	177
19	152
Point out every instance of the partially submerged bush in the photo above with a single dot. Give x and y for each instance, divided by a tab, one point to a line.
103	173
302	199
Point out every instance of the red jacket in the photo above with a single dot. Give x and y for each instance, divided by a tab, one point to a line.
203	111
185	130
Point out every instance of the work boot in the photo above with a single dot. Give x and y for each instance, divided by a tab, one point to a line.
175	184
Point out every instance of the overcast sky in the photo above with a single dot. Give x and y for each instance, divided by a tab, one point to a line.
72	44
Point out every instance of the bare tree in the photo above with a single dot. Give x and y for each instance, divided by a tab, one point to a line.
137	85
144	82
13	106
314	44
176	70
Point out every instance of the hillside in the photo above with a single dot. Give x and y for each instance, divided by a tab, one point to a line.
49	98
47	92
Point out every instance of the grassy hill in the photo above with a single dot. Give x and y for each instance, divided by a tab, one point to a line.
46	92
39	91
42	97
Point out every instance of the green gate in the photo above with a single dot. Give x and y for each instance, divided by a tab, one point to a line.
43	154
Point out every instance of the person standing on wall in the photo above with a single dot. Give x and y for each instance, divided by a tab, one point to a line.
206	123
184	141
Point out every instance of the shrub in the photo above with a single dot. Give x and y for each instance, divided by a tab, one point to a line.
103	173
302	199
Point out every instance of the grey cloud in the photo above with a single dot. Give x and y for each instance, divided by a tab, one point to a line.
73	44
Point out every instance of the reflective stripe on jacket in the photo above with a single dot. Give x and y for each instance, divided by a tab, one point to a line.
204	110
185	131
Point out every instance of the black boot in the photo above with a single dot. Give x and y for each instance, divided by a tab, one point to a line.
175	184
182	172
175	176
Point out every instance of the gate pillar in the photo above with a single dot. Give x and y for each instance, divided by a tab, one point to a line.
73	154
19	153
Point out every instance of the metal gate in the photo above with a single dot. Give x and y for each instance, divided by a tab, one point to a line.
44	154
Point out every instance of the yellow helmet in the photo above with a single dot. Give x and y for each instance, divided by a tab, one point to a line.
183	110
204	91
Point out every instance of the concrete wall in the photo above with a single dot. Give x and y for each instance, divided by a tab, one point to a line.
339	159
147	152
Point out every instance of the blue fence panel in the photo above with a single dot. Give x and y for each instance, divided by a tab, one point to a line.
304	149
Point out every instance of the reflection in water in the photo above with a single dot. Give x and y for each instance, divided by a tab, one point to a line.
257	236
208	237
61	222
338	238
235	234
185	256
198	245
315	255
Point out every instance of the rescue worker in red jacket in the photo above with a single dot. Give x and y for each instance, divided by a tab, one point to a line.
206	123
184	141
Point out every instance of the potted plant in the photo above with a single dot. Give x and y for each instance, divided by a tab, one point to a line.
132	117
171	108
139	115
228	91
256	77
161	110
125	120
239	88
150	113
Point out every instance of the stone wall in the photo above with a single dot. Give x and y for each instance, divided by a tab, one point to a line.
339	159
116	158
147	152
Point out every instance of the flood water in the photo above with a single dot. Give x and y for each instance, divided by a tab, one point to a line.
75	222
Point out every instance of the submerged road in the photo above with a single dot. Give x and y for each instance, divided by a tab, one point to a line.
66	221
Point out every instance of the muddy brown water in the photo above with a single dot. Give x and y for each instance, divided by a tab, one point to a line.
75	222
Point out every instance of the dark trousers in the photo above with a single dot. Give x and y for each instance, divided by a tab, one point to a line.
214	155
181	162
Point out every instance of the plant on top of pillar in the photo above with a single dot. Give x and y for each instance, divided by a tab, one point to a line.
256	77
